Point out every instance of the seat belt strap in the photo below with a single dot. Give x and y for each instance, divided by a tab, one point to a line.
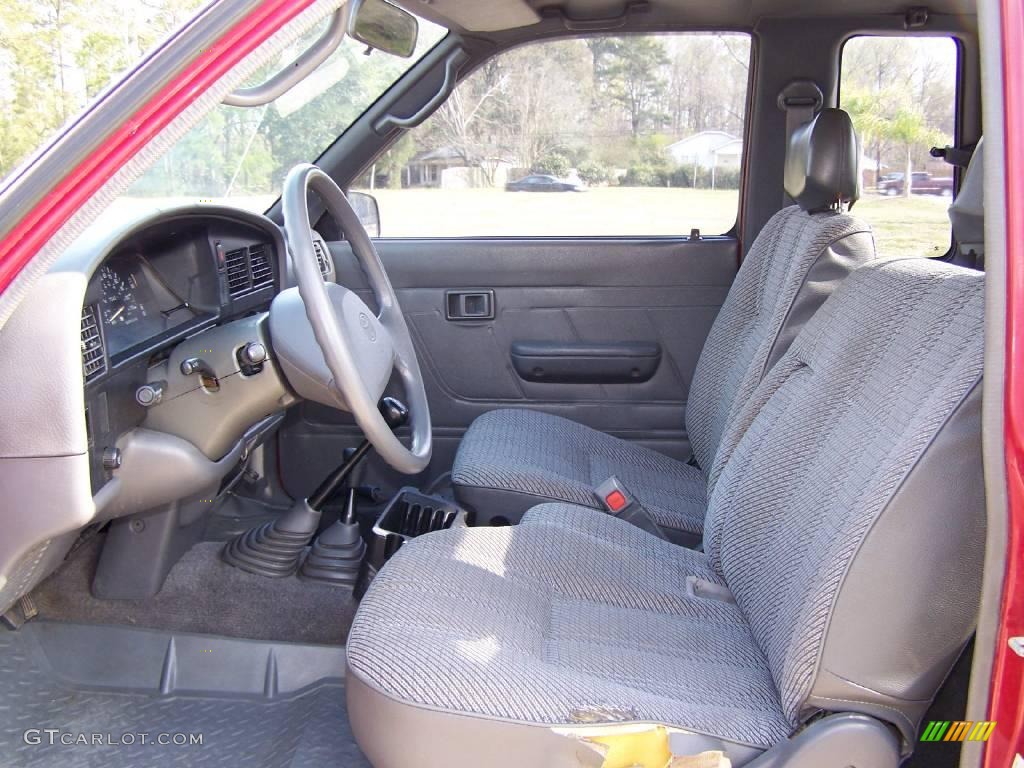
800	100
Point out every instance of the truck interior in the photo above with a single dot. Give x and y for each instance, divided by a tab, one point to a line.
402	464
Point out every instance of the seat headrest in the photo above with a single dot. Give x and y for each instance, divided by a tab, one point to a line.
967	213
823	162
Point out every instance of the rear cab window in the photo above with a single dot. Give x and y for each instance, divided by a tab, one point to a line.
603	136
901	93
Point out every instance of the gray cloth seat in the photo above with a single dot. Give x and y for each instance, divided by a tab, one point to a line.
586	611
818	592
508	462
527	457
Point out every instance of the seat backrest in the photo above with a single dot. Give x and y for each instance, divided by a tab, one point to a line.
849	521
795	263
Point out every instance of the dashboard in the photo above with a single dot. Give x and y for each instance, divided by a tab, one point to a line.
172	281
172	278
154	327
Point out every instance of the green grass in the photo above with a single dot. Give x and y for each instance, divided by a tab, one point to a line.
917	226
597	212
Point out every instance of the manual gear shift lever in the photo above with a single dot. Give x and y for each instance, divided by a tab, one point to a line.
275	548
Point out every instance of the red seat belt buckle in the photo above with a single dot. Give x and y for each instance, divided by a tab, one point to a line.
615	501
613	496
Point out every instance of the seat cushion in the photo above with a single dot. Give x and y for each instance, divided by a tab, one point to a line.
511	460
573	616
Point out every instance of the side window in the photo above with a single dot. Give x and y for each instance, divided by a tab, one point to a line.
609	136
901	94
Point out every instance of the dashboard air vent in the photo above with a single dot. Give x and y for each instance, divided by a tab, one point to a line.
322	257
94	361
239	279
248	269
262	272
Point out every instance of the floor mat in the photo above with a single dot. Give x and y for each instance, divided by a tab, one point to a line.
203	594
124	691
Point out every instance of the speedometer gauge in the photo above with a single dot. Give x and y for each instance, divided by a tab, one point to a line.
120	305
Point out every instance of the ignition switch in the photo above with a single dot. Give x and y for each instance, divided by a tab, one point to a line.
207	378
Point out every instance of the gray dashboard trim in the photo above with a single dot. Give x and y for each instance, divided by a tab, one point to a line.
87	253
156	469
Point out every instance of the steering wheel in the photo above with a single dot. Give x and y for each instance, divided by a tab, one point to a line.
330	345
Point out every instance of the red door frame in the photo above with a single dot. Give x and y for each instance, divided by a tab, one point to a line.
1006	707
1007	702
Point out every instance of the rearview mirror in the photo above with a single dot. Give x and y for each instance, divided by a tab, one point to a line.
383	26
366	209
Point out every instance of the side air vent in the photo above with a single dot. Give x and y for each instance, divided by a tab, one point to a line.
94	360
248	269
322	257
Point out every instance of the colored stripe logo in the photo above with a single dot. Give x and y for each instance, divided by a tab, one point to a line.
957	730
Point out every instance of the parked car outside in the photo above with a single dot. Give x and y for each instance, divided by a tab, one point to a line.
922	183
542	182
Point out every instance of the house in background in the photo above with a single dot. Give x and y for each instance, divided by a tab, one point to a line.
707	150
447	168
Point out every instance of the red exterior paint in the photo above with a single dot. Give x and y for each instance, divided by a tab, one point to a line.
1007	704
33	231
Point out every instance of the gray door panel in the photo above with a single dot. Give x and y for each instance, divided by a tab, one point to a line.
659	291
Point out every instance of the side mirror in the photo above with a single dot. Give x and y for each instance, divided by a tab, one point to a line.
383	26
366	209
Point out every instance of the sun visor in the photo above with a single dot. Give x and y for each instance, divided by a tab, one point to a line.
476	16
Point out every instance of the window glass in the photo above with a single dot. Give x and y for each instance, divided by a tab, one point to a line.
241	155
56	57
608	136
901	94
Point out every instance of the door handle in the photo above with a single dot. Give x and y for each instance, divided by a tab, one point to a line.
469	305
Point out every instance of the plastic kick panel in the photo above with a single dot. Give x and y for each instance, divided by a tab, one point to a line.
270	705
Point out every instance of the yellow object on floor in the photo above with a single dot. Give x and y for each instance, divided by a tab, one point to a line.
638	746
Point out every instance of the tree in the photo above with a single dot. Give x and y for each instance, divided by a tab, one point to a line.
909	129
866	112
631	77
56	55
395	159
461	121
900	94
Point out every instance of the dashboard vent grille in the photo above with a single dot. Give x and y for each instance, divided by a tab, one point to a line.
94	361
239	278
321	257
262	273
248	269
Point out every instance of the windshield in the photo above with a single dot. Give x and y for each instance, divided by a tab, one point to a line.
242	154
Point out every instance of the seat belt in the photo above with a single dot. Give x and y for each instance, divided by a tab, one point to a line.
800	100
619	502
